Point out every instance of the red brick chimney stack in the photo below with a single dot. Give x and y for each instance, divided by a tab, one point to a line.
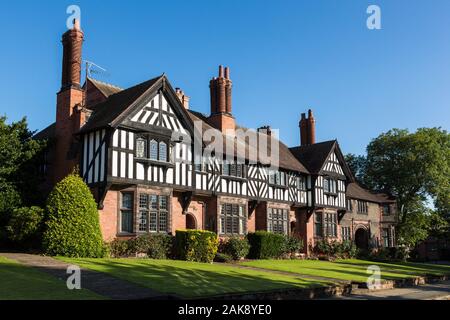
221	108
71	68
307	129
70	115
311	128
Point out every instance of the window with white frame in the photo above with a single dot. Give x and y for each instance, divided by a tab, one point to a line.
233	219
301	183
349	205
233	169
362	207
325	224
346	233
152	149
153	213
329	185
387	238
277	177
277	220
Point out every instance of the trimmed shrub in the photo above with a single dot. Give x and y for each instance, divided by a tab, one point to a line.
335	249
292	245
196	245
155	246
25	226
72	223
120	248
266	245
236	247
222	257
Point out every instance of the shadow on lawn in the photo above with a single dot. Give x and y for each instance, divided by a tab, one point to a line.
402	268
194	280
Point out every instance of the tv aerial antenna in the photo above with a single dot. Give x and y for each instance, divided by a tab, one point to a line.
93	68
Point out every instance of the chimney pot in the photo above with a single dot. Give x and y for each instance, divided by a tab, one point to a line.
220	71
227	73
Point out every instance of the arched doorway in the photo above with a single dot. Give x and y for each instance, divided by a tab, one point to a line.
191	223
362	239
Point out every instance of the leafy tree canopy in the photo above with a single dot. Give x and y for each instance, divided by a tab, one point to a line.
414	167
19	159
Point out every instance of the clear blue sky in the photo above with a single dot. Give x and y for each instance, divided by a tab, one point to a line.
285	56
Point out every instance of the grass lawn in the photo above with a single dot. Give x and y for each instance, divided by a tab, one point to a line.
192	279
350	269
19	282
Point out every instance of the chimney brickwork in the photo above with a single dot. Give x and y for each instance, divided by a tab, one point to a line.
69	105
307	129
221	108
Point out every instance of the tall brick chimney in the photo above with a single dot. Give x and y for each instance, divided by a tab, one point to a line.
69	110
221	109
307	129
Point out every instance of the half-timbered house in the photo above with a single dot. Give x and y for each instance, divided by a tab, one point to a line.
136	150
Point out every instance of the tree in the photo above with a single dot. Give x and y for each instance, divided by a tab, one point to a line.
72	224
357	164
19	176
415	168
24	226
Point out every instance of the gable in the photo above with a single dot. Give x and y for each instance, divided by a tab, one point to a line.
159	113
332	165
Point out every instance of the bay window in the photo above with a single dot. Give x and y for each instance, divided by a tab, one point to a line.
152	149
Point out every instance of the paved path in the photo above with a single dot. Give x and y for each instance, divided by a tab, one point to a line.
435	291
98	282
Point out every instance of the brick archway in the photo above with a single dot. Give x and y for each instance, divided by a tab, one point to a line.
191	222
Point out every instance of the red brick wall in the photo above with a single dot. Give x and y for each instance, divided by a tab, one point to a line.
109	215
179	219
66	121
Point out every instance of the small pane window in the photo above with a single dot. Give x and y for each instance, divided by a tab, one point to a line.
277	220
126	213
153	150
141	148
162	151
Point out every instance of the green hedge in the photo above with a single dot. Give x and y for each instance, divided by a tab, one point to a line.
72	222
196	245
154	246
236	247
266	245
25	226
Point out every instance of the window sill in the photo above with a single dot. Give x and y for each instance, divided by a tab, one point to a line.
155	162
239	179
279	186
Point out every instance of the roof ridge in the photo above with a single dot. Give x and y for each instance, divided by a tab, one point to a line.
105	83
